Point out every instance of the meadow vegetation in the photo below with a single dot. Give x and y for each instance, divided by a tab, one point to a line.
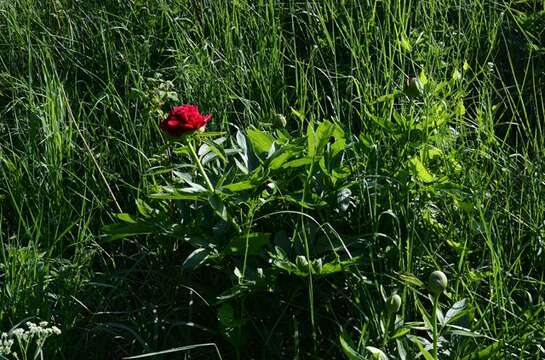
356	148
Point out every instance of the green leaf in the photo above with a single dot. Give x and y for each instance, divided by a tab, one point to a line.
256	241
282	156
324	132
337	266
229	324
424	352
483	354
377	353
311	140
298	114
124	230
175	196
217	204
410	279
125	218
460	109
339	143
405	43
209	151
418	168
387	97
348	350
226	316
260	141
455	311
195	259
241	185
401	332
297	163
143	208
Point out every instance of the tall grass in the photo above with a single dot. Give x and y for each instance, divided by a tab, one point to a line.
81	89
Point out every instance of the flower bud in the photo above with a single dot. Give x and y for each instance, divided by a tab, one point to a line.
302	263
437	282
413	86
317	266
393	304
280	121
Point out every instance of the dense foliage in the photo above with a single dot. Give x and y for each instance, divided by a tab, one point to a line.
355	148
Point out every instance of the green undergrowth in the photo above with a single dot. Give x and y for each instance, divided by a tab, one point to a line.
336	182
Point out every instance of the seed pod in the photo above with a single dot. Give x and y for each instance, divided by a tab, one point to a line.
393	304
437	282
412	87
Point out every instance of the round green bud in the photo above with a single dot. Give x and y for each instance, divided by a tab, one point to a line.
280	121
437	282
413	86
393	304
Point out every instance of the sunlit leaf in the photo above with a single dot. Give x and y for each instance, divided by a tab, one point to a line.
260	140
422	174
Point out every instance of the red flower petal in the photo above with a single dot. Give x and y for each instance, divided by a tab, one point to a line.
183	119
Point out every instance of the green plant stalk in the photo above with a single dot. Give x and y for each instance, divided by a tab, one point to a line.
199	165
386	330
307	254
434	325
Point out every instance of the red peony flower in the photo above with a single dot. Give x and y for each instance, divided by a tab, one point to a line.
184	119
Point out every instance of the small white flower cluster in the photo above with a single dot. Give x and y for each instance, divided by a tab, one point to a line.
41	330
34	332
5	344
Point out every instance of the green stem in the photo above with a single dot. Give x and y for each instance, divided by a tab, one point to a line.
386	330
199	165
434	324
